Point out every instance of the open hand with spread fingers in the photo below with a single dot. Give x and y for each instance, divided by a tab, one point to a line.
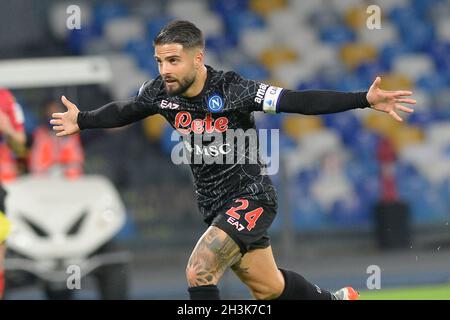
389	101
66	123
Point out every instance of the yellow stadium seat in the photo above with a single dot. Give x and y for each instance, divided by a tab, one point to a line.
265	7
354	54
153	127
271	58
405	136
296	126
381	123
356	18
393	81
275	83
400	134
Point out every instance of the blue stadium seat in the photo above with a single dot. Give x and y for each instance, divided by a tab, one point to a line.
154	25
229	7
360	169
220	44
422	7
286	143
254	71
324	17
314	84
415	32
142	52
421	38
440	52
429	207
447	151
350	212
411	187
237	22
405	169
346	124
441	104
432	82
106	11
306	178
419	209
444	192
390	52
370	70
368	189
401	16
365	144
77	38
308	214
269	121
353	82
337	34
422	118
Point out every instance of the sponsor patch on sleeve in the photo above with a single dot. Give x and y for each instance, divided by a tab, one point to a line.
271	99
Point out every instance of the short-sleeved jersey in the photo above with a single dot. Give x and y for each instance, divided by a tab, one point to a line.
225	103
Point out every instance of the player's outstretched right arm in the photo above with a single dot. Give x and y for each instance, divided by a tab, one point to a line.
114	114
65	123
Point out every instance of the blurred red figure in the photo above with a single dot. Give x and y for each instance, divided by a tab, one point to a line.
387	157
12	140
50	154
12	135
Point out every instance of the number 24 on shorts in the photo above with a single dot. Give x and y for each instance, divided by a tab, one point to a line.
251	217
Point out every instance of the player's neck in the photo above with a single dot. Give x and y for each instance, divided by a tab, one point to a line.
196	88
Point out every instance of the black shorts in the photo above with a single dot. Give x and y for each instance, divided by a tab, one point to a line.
246	221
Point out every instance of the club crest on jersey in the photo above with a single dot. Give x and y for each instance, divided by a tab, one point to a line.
215	103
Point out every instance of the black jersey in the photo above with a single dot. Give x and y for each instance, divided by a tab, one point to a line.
225	104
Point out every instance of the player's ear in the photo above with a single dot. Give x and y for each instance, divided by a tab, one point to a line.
199	58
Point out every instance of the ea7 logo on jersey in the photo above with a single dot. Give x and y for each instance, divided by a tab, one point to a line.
236	224
169	105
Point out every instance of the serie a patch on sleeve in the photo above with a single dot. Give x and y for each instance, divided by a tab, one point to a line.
271	98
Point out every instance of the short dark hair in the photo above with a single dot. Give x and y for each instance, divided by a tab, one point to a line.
180	31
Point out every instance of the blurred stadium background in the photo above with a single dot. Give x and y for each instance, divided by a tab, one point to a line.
330	179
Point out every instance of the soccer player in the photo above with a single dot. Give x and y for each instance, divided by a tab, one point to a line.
238	201
12	139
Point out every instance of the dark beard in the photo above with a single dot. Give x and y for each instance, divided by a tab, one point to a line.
182	88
